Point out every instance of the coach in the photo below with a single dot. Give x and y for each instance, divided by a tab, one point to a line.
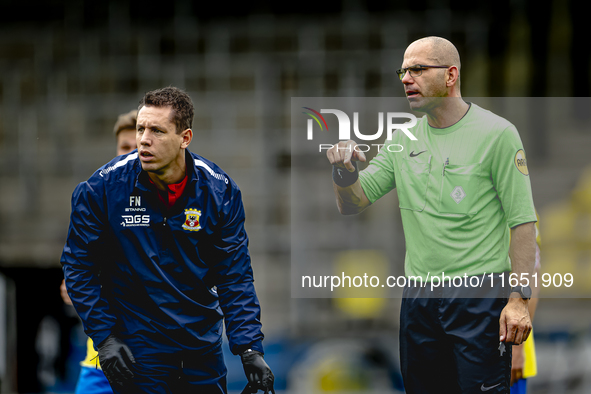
157	257
466	206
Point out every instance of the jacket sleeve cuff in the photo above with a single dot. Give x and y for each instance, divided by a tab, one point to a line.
257	345
98	338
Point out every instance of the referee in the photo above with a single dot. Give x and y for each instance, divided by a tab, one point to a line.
467	209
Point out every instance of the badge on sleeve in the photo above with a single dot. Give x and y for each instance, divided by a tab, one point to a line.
520	162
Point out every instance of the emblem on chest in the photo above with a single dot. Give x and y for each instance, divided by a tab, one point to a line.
192	220
458	194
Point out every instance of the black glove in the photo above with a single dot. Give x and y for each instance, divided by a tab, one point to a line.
257	372
116	359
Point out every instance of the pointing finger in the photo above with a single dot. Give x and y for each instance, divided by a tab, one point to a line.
360	156
349	152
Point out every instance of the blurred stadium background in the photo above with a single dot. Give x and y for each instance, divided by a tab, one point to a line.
68	68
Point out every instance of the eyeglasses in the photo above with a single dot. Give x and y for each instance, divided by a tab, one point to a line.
416	70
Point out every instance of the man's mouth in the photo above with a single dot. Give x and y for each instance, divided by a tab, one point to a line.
412	94
145	155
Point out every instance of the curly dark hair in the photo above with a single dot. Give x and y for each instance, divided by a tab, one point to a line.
182	106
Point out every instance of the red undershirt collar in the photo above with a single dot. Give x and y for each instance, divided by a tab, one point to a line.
175	190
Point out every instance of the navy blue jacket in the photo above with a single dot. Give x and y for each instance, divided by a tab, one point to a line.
166	276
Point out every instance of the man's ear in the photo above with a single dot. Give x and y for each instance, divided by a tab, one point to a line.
452	76
187	135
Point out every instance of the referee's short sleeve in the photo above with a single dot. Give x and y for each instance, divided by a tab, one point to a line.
511	178
379	177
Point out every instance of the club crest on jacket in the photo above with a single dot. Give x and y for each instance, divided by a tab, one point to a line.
192	219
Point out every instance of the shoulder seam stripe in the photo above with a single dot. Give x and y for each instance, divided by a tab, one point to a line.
217	176
118	164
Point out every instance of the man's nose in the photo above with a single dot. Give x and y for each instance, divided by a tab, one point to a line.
407	78
145	138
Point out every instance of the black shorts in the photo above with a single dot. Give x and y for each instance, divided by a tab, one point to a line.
449	341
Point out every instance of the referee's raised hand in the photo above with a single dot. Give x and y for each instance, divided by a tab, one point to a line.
351	198
343	153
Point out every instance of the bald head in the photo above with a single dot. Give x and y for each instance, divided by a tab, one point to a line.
435	51
439	50
439	78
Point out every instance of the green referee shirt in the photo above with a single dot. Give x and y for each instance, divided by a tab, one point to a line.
460	190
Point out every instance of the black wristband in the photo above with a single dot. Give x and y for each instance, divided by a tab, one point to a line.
343	177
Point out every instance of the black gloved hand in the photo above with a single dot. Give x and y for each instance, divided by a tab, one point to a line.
257	372
116	359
